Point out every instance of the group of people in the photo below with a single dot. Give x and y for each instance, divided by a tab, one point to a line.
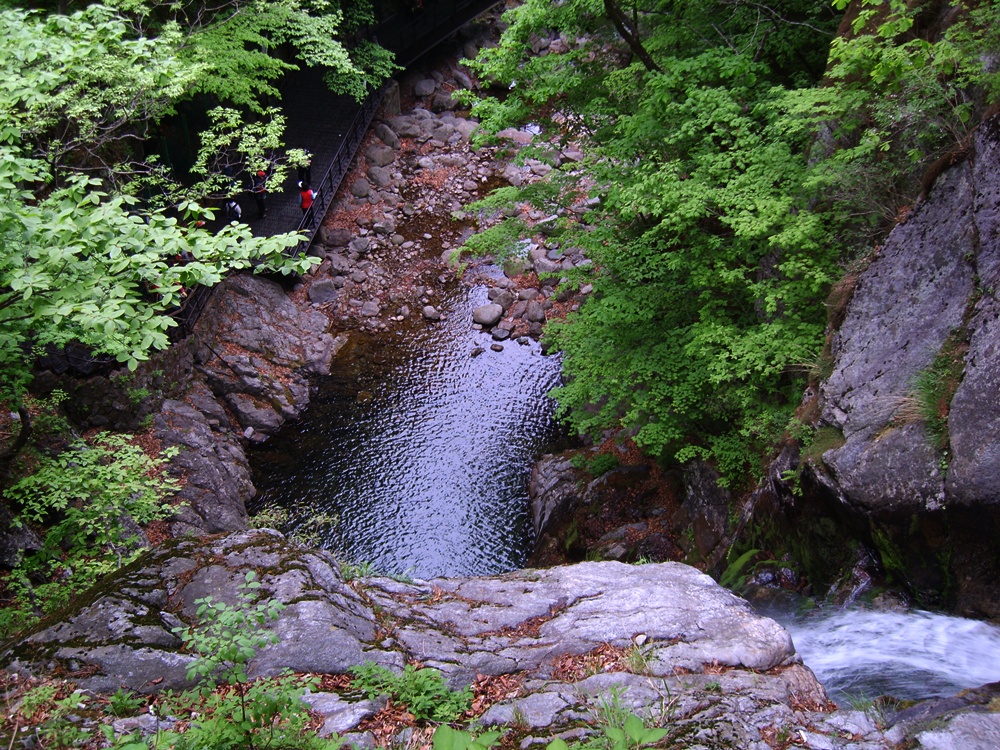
259	192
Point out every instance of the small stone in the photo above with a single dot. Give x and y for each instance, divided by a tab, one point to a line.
431	313
487	315
496	347
379	156
360	188
424	87
322	291
384	133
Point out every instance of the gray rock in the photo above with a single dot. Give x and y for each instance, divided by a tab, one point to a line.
360	188
462	79
430	313
341	716
341	264
370	309
535	313
487	315
379	156
553	490
424	87
967	731
322	291
974	418
385	226
252	413
385	134
443	101
380	177
405	127
905	306
360	245
465	129
332	237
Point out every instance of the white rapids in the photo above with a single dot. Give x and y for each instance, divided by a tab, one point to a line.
914	655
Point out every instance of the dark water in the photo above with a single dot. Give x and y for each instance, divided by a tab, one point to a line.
419	450
859	654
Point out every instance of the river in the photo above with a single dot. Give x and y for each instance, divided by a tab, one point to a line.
413	460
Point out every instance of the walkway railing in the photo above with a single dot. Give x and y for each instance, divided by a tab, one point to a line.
330	184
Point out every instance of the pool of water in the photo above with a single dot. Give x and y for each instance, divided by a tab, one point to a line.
415	452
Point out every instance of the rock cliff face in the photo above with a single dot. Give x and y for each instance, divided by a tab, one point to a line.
932	499
244	372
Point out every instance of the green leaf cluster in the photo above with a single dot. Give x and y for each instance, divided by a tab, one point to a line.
80	258
423	691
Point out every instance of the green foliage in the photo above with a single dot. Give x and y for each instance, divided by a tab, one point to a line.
58	730
633	734
733	577
932	388
622	729
227	636
34	699
353	571
263	713
447	738
125	703
424	691
87	499
732	182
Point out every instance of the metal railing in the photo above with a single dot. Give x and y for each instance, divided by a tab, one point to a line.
339	166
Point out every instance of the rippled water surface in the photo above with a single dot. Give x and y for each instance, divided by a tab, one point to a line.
420	450
910	655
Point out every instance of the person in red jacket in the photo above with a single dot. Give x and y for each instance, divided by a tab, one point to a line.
306	196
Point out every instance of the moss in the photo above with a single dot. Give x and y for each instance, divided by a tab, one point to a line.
824	439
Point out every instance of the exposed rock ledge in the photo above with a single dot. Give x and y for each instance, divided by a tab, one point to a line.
677	647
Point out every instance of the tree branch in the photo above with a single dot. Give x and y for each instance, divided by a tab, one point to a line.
630	34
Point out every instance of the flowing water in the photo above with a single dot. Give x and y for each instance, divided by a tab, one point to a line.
859	654
419	448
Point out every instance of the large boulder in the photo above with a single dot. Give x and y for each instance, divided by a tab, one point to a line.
661	641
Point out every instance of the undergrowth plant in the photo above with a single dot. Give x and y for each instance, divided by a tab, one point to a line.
86	503
424	691
243	714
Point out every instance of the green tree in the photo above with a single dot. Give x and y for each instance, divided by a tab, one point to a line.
735	170
90	229
708	263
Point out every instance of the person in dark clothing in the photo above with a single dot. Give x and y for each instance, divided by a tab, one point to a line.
306	196
259	189
305	171
233	210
